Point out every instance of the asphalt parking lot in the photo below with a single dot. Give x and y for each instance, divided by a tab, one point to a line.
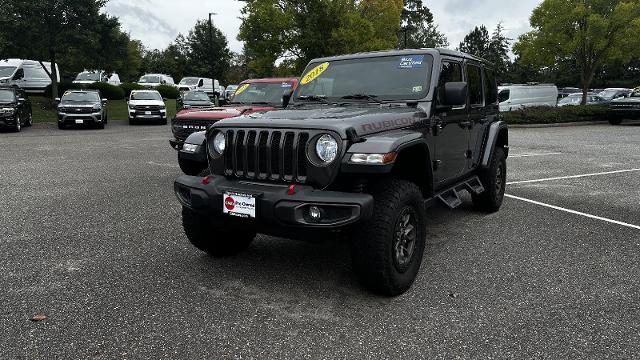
90	235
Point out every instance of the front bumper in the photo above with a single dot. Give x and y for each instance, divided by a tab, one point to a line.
147	115
8	121
69	119
624	113
275	208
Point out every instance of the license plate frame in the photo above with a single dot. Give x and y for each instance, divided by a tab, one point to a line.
79	121
239	204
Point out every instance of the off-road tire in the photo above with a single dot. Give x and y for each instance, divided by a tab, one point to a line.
190	167
132	121
163	122
373	254
29	122
100	125
615	120
494	180
214	240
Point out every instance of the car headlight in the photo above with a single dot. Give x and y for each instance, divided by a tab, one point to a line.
7	110
218	144
327	148
97	107
190	148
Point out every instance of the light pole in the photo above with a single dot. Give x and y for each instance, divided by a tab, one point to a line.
211	60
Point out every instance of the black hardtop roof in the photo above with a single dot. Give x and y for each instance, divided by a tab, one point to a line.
432	51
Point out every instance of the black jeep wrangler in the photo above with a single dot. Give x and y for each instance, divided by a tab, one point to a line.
367	143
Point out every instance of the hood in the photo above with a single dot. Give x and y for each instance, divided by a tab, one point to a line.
220	112
78	103
197	102
146	102
629	100
364	119
84	82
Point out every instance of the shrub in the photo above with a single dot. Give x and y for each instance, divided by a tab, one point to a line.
549	115
128	87
169	92
108	91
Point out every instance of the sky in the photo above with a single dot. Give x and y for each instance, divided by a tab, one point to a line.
157	22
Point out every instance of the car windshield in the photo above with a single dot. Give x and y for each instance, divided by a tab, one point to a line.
196	96
261	93
609	94
7	96
571	99
383	78
88	76
146	95
81	97
6	71
150	79
232	87
635	93
189	81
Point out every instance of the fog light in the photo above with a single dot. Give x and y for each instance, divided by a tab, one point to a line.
314	213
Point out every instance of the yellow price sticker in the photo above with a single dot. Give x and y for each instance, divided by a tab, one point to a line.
242	88
314	73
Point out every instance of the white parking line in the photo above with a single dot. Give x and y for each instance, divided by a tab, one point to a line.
574	212
530	155
572	176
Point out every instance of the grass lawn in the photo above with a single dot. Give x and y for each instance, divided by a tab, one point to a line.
45	111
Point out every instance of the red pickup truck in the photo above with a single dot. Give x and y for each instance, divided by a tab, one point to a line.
189	125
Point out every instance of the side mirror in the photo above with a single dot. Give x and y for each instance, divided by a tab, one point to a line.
57	100
104	100
21	100
286	98
164	99
455	94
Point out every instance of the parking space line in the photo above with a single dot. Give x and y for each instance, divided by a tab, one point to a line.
572	176
530	155
573	212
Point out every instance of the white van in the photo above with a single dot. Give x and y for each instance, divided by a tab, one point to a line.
155	80
27	74
202	84
94	76
514	97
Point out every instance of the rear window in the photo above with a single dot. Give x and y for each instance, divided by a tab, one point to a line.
475	85
490	86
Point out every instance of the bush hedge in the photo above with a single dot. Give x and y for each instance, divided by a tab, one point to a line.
549	115
112	92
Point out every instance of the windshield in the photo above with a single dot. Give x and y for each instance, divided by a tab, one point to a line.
146	95
261	93
232	87
189	81
636	93
81	97
571	99
6	71
150	79
196	96
7	96
88	76
387	78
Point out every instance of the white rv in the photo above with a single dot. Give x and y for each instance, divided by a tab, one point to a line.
27	74
514	97
202	84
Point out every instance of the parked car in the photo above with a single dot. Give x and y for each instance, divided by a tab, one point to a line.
515	97
147	106
252	96
564	92
193	100
369	141
154	80
15	108
82	107
576	99
614	93
195	83
229	91
94	76
625	108
29	75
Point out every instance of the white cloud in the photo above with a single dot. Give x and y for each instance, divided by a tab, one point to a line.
158	22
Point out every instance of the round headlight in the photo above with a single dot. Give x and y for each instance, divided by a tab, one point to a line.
327	148
219	143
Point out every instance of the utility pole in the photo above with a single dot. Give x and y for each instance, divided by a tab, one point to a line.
211	60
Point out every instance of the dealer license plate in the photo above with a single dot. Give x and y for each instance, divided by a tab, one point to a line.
241	205
79	121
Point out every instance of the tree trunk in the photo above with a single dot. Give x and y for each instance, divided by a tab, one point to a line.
587	79
54	74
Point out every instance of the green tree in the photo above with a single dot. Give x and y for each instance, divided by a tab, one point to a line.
593	32
292	32
477	42
418	29
206	55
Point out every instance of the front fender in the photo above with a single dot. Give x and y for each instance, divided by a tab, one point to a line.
197	138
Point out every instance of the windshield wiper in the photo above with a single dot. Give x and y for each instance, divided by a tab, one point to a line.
363	97
315	98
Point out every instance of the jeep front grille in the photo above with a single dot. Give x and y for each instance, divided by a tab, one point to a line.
274	155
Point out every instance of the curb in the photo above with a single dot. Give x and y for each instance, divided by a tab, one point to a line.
567	124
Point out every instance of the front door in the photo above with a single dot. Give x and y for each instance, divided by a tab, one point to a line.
452	139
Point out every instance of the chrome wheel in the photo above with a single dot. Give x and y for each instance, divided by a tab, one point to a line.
405	239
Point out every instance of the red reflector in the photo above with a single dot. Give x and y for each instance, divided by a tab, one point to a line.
292	190
205	180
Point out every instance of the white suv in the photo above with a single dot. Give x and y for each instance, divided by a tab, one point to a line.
147	105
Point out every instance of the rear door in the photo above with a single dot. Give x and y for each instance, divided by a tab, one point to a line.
452	141
477	116
487	115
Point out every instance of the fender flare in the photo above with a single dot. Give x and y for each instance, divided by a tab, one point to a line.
493	134
197	138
